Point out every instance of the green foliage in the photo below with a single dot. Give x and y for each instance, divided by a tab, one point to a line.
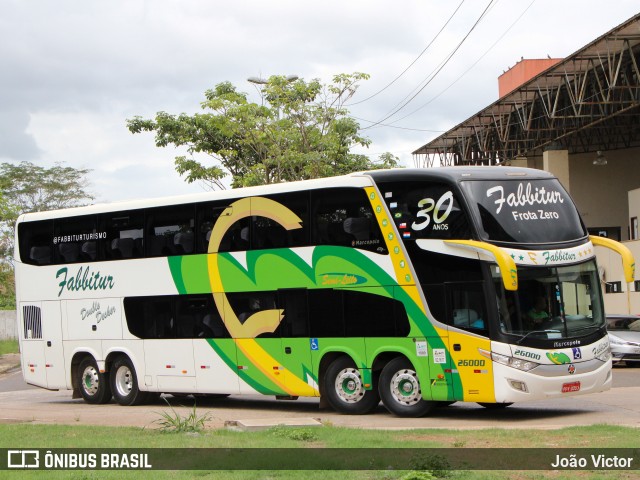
417	476
297	434
9	346
7	285
24	188
436	465
31	188
173	422
300	130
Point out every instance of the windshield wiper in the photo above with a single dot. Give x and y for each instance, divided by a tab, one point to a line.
536	331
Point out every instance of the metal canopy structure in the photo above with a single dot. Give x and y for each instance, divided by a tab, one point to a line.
588	102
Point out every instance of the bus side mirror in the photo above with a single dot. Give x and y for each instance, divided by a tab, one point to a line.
628	262
508	269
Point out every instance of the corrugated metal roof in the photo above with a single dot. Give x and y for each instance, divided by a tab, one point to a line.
589	101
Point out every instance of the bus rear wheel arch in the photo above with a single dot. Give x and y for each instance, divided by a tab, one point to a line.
344	388
124	383
400	389
93	384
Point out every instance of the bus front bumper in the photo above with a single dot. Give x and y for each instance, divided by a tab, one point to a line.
551	381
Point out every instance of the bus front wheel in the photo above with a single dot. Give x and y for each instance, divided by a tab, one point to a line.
124	383
400	390
345	390
94	386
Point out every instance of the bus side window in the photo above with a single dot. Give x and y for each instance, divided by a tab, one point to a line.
326	313
344	217
467	308
197	317
293	303
368	314
124	231
174	316
437	301
268	233
150	317
426	210
235	239
73	237
246	304
36	239
169	230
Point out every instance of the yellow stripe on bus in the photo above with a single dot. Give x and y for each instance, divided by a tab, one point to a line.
282	377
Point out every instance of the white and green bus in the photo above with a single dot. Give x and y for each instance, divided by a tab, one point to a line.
415	287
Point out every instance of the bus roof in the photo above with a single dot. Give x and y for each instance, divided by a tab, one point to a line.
359	179
457	174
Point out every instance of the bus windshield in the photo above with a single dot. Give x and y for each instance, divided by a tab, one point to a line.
532	211
551	302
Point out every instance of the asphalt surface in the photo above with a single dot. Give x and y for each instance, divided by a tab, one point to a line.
619	406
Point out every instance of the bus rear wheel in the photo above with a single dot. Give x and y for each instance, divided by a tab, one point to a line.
400	390
94	386
345	389
124	383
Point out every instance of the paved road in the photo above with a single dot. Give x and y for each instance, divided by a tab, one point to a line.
619	406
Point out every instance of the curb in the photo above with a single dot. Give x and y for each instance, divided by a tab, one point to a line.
9	369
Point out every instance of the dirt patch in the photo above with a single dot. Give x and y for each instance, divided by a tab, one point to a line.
9	362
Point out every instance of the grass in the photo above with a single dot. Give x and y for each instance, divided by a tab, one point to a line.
9	346
173	422
78	436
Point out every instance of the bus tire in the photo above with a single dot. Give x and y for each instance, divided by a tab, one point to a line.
124	383
400	390
94	386
345	390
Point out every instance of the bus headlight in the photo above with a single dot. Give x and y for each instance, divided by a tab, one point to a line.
524	365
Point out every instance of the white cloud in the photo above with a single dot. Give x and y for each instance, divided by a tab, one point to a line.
74	72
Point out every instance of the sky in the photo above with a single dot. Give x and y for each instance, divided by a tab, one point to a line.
72	72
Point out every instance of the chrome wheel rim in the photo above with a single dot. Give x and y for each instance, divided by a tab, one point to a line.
349	385
90	380
405	387
123	382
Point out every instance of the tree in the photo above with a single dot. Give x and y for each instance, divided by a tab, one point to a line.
24	188
300	130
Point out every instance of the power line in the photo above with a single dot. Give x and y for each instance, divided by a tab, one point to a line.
398	127
471	67
414	61
442	65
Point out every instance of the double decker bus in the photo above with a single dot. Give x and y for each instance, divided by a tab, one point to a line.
417	288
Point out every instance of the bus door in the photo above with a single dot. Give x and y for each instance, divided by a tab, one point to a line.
42	350
275	362
296	346
468	335
53	351
438	349
169	356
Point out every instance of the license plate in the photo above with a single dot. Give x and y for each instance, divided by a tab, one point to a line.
570	387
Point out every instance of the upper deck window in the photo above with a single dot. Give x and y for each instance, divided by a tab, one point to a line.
425	210
524	211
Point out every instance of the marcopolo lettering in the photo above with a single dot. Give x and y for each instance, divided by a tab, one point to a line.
84	279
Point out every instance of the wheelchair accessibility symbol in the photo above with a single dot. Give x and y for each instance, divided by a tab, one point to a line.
313	343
